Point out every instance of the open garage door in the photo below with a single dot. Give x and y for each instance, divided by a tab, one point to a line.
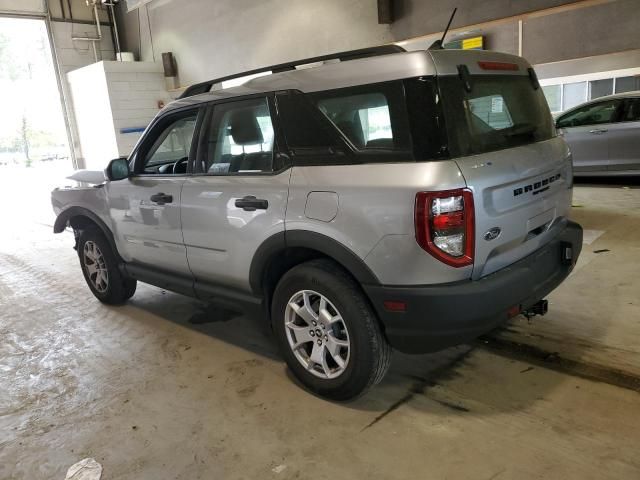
34	150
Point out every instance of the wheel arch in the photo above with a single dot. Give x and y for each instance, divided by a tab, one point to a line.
80	218
284	250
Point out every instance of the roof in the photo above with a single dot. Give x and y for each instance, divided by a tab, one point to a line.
361	71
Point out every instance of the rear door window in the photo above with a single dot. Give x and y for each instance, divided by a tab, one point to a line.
239	138
632	110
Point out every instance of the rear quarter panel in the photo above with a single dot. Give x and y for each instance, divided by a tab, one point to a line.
375	215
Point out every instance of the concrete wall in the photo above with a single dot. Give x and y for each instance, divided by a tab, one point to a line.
597	30
226	36
222	37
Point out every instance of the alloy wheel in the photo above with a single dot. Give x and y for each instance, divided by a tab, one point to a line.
96	266
317	334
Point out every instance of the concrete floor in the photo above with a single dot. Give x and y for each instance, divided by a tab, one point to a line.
151	395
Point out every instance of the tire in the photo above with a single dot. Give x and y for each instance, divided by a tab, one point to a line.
352	351
107	283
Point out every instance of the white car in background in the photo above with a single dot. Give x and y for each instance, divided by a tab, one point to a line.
604	135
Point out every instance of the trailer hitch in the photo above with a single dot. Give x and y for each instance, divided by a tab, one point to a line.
541	307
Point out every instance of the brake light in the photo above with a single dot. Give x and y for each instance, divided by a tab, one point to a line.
445	225
498	66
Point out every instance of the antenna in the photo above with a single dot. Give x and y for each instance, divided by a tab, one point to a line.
438	44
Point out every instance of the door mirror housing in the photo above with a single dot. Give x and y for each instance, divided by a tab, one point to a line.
117	169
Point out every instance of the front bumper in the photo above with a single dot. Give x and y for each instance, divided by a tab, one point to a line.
439	316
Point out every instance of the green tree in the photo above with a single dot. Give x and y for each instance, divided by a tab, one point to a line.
24	137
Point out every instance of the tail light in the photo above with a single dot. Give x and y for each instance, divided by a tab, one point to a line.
445	225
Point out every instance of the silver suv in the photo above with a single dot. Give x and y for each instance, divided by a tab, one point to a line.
384	198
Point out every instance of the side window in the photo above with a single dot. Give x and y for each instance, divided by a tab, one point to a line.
303	127
594	114
631	110
371	116
240	138
169	154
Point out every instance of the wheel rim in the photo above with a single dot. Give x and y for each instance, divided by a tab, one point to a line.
317	334
95	266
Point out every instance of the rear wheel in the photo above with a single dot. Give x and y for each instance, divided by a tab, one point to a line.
327	332
100	269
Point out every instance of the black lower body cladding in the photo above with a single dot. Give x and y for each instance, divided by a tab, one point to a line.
439	316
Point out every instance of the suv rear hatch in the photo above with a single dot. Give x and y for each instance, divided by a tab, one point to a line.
501	134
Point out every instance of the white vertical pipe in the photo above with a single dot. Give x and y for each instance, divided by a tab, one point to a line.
520	37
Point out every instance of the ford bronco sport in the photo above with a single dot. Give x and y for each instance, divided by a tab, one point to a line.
376	199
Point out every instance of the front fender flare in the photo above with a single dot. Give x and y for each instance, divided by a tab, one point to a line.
63	219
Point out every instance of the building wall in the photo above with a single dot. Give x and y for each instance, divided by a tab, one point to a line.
598	30
211	39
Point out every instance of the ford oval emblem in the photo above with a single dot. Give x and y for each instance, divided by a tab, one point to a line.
492	233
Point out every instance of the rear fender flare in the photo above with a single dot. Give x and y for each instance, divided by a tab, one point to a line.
323	244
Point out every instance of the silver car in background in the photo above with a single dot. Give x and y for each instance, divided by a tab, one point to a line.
604	135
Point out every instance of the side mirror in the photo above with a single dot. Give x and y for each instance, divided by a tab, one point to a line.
117	169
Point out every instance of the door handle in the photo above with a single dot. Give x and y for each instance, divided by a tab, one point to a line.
251	203
598	131
161	198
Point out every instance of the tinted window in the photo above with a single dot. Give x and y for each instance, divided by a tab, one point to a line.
170	151
632	110
426	118
370	116
303	127
240	138
500	111
593	114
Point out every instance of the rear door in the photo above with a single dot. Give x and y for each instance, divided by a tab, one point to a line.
624	138
503	140
145	208
588	130
238	195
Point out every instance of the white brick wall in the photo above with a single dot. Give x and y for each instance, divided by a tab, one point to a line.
109	96
135	88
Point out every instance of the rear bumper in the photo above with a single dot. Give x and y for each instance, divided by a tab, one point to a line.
439	316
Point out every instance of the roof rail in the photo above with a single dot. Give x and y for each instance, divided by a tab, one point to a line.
205	87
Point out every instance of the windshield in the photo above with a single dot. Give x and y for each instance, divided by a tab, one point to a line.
500	111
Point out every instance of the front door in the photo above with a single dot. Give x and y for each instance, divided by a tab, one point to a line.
587	131
145	208
238	196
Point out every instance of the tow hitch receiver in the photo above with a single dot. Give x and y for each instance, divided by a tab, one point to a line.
539	308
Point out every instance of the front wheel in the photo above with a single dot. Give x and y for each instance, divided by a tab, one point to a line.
327	331
100	269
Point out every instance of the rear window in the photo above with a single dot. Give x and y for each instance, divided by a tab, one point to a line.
500	111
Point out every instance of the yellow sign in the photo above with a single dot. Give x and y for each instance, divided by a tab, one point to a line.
472	43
